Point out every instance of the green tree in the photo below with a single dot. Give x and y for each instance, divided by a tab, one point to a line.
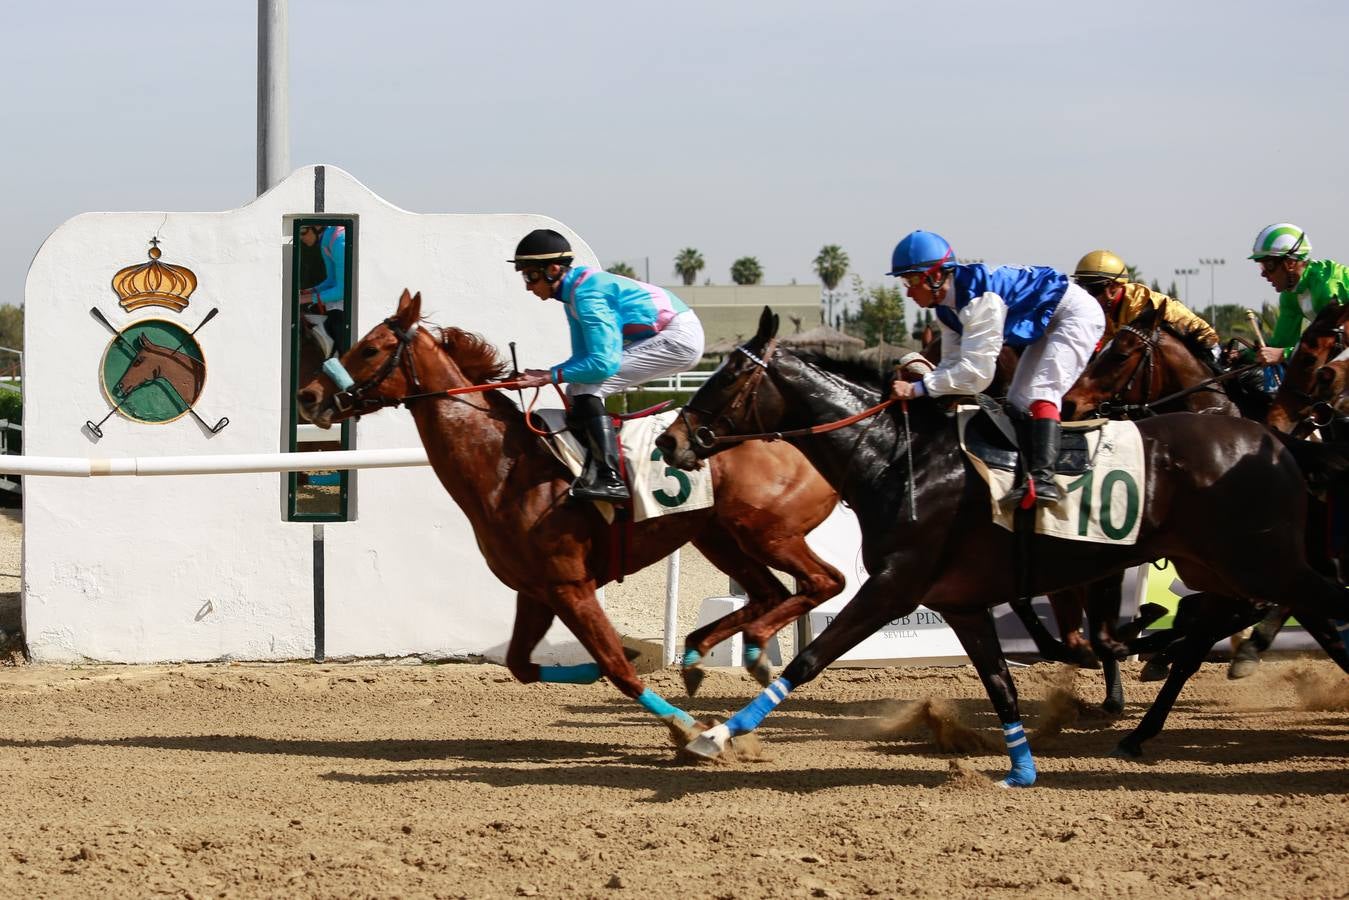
622	268
1156	285
746	270
11	327
688	263
1133	273
831	264
881	312
1173	291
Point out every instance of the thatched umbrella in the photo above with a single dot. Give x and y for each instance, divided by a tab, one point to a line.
723	346
823	337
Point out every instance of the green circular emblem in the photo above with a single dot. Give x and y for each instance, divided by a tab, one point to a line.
153	371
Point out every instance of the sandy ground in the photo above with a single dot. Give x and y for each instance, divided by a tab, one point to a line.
409	780
452	781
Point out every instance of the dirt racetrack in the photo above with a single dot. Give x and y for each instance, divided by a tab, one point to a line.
297	780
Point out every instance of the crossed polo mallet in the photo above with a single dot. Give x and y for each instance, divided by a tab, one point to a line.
95	428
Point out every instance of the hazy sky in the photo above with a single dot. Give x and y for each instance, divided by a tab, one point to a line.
1026	132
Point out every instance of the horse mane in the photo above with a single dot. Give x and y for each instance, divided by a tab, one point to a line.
1192	343
858	371
474	356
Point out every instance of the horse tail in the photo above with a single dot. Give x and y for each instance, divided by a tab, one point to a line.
1324	465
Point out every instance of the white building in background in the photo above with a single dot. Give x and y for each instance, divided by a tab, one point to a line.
252	566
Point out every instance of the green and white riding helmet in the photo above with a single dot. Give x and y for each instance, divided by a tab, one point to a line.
1281	239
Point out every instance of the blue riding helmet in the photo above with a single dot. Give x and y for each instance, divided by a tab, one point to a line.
921	251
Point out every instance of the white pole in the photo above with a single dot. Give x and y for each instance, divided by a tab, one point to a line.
273	95
226	464
671	605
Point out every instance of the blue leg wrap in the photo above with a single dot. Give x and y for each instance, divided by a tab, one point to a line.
752	655
658	706
585	673
1023	766
1343	629
692	657
752	715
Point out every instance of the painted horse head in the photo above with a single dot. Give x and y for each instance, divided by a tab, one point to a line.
184	373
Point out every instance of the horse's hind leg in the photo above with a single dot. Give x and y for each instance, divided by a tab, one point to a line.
1068	606
1203	619
532	621
1103	606
769	607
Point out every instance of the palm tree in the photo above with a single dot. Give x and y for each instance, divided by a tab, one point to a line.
746	270
831	264
622	268
688	264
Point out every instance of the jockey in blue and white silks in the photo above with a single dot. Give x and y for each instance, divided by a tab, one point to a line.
623	333
980	309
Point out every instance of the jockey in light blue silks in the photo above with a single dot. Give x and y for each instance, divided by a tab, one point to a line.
623	332
980	309
324	304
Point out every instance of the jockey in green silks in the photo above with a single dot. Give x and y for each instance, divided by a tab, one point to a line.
1305	285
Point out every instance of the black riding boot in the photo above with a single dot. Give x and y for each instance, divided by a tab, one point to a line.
600	480
1039	459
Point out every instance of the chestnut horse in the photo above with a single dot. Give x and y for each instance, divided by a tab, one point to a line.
1209	484
554	551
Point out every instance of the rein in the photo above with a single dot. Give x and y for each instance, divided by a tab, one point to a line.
705	438
1115	406
352	396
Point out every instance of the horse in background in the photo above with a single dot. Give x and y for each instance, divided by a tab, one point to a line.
185	374
1321	341
553	551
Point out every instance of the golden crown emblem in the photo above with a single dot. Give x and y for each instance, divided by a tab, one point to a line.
154	283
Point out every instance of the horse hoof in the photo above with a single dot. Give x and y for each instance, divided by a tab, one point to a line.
761	671
1082	657
1155	670
1112	706
1126	751
1242	667
711	743
693	678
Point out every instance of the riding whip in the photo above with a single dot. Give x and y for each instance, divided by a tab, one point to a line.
908	453
1259	338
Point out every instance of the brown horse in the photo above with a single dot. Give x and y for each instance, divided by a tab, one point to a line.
555	551
1297	393
185	374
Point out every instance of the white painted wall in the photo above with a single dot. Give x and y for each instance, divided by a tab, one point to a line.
206	567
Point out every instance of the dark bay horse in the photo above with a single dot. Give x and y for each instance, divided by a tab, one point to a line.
185	374
554	552
1203	477
1321	341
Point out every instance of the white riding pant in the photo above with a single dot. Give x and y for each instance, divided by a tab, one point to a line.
677	348
1050	366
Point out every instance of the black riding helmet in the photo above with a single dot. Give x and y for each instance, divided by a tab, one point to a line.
541	248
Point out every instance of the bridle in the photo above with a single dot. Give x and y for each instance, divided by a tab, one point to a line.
1116	405
354	398
703	436
706	439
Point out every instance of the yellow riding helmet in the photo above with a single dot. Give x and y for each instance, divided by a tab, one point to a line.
1102	264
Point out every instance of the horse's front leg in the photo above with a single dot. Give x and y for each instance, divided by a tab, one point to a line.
1068	606
979	636
579	609
877	602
